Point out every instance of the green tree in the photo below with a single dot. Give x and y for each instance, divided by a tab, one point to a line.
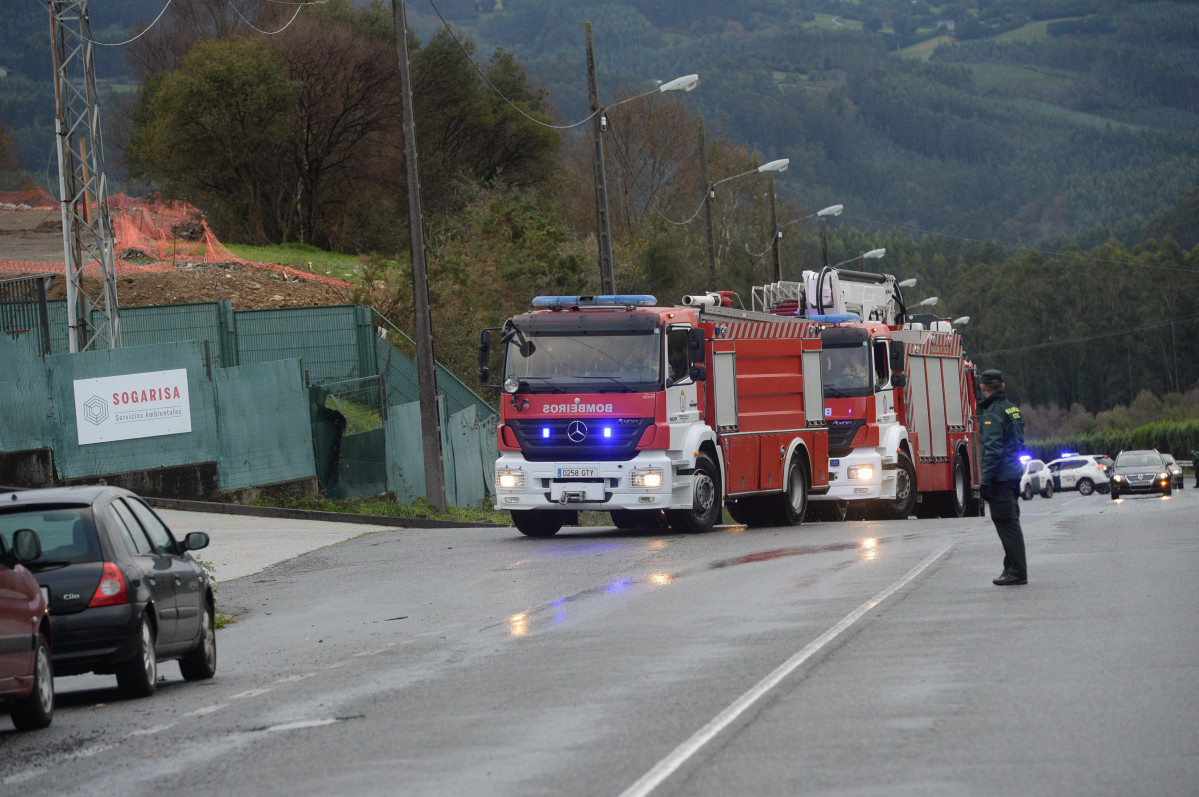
210	132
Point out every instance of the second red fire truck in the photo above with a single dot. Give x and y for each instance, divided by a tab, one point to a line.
899	398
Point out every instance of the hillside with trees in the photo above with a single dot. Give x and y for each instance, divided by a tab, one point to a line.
1035	168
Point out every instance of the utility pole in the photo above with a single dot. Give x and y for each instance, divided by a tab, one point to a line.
709	194
775	233
93	321
426	365
603	231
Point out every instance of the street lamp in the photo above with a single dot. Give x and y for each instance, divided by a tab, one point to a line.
961	321
832	210
770	167
599	123
873	254
929	302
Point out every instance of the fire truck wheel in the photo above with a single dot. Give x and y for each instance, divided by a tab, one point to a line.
954	504
543	523
793	501
705	504
905	490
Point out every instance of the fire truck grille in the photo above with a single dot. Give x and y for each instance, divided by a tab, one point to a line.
579	439
841	435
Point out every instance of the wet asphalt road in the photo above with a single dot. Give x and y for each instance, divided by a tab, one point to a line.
858	658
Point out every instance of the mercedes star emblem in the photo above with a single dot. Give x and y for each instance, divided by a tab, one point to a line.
576	431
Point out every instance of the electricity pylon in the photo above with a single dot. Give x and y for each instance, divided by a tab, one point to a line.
92	320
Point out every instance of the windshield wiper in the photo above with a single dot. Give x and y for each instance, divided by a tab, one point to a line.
543	380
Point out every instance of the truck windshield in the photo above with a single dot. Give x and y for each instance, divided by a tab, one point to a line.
846	370
621	362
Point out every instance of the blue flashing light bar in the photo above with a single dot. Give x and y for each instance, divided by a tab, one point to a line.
834	318
604	300
1025	457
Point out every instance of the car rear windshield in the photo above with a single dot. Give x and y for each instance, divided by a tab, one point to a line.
67	533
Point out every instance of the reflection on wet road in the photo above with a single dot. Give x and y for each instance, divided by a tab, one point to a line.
553	614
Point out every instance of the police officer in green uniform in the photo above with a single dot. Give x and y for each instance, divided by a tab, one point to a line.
1002	439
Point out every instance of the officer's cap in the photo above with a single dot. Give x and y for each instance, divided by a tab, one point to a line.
992	377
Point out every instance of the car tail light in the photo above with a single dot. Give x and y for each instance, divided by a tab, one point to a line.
111	590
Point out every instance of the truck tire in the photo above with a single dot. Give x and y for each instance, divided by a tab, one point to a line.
905	491
705	500
791	504
537	523
954	502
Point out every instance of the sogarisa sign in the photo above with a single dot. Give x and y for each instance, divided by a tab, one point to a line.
131	406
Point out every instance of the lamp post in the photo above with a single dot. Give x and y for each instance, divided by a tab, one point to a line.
599	123
873	254
831	210
779	165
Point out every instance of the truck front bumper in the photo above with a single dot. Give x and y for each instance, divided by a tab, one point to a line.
859	476
651	480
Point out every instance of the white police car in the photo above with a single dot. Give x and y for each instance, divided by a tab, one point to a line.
1036	479
1082	472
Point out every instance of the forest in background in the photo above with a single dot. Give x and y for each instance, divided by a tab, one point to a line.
296	137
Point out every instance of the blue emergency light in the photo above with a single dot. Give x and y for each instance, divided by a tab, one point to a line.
603	300
834	318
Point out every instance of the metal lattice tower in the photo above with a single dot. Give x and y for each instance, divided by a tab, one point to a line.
92	320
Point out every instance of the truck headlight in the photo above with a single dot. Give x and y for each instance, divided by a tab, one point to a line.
647	477
510	478
863	472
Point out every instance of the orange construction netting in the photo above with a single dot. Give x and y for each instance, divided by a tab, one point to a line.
148	236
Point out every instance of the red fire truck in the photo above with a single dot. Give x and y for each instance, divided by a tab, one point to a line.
656	414
899	398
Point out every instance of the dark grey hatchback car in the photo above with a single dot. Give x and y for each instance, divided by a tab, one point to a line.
124	593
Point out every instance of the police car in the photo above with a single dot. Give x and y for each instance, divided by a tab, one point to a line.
1036	479
1083	472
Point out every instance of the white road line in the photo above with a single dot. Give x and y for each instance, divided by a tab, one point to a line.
295	726
668	765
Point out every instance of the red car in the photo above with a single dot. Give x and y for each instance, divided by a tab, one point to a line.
26	679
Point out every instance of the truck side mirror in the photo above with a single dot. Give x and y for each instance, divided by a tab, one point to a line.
695	346
896	358
484	347
899	380
698	373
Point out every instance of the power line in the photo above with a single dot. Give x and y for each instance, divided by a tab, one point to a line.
1055	253
1088	338
623	158
499	93
270	32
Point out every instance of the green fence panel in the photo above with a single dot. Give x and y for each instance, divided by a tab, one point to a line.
74	460
405	452
400	375
470	486
325	338
362	466
202	321
263	424
26	415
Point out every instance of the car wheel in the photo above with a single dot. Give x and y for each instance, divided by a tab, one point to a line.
200	662
138	676
36	709
1048	491
705	501
1085	486
543	523
1027	492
